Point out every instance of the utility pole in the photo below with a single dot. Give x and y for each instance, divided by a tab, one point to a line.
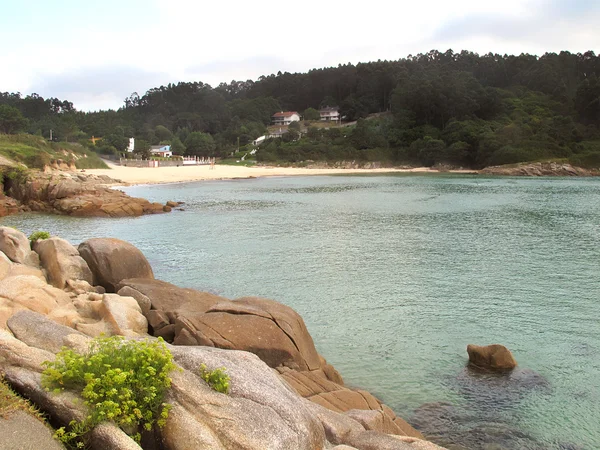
50	135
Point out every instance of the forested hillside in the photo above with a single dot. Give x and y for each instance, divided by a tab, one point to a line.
462	109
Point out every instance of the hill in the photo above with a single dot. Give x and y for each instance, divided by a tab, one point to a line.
461	109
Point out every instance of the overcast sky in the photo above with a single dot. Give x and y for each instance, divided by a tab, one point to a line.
97	53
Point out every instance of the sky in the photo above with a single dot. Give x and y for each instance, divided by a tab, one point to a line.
95	54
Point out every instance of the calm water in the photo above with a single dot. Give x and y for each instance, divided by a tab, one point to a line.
395	275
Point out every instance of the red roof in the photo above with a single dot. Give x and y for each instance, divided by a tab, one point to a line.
284	114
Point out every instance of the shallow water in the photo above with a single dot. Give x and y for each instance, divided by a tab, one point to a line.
395	275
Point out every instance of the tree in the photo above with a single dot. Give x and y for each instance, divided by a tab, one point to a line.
117	141
199	144
311	114
142	148
163	133
11	120
177	146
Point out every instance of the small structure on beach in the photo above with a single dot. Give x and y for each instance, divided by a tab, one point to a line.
163	151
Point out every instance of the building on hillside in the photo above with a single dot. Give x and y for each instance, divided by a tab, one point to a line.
285	117
164	151
276	133
131	146
330	114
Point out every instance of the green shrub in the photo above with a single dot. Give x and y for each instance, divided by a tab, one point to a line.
17	173
216	379
37	235
121	381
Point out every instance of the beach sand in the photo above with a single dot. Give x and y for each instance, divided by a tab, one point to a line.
147	175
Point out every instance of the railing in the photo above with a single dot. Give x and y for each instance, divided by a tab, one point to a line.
171	162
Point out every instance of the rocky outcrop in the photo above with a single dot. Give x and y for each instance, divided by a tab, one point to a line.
284	395
260	412
112	260
491	357
540	169
62	262
8	206
76	194
188	317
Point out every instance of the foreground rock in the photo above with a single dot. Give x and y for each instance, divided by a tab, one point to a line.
62	262
491	357
15	245
540	169
75	194
261	411
112	260
284	395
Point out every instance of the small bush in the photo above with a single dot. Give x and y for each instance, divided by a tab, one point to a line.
37	235
216	379
17	173
121	381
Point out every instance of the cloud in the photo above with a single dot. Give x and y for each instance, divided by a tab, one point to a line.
95	88
543	26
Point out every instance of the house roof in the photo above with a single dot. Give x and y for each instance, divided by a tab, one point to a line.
285	114
160	147
329	109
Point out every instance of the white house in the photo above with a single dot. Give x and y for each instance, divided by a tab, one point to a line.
164	151
131	146
330	114
285	117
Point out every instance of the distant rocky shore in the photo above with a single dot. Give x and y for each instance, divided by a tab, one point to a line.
71	193
283	394
540	169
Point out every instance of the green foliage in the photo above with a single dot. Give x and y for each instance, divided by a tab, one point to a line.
37	235
217	379
11	120
485	108
17	173
120	380
199	144
311	114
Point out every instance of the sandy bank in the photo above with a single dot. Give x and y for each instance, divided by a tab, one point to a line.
136	175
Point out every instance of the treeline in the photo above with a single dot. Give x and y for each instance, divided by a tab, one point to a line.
458	108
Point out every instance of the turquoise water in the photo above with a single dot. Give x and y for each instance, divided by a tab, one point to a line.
395	275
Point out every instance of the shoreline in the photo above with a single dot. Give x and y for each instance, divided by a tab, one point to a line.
131	176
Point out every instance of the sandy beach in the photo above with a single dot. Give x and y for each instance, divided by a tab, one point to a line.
146	175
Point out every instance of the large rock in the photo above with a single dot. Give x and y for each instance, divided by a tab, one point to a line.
113	260
169	298
491	357
15	245
361	405
62	262
188	317
29	292
11	269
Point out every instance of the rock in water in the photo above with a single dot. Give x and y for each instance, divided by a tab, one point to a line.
491	357
113	260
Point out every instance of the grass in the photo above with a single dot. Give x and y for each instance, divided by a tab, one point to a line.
35	152
237	162
11	402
